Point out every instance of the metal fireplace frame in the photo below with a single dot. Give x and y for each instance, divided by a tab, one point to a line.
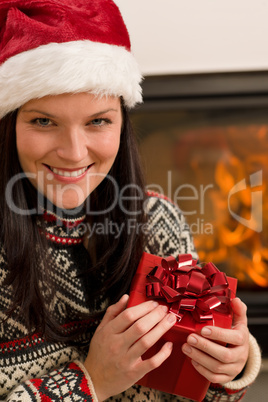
214	90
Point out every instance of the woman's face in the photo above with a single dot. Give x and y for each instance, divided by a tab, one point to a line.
68	143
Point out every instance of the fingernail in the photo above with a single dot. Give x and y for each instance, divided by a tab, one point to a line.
195	363
206	331
192	340
170	345
172	318
155	304
187	349
165	308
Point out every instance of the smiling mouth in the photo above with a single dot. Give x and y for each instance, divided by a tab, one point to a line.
68	173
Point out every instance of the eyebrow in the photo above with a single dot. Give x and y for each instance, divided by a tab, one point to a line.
53	117
37	111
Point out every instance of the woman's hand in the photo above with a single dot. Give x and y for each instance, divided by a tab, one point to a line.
221	364
114	360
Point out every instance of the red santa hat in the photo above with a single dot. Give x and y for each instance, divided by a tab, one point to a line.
52	47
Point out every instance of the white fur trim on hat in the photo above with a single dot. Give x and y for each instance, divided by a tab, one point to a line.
70	67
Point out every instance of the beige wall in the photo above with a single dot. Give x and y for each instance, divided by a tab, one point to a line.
192	36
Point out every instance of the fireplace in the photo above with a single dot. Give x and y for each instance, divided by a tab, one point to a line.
204	143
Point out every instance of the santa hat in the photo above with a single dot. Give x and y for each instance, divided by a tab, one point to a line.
52	47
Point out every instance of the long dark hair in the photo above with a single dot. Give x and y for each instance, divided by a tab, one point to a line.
25	247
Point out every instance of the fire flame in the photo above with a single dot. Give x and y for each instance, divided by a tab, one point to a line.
235	248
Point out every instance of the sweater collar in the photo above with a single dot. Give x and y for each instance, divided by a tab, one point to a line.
65	227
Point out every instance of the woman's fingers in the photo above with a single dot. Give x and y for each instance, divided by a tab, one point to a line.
233	336
221	365
114	360
115	355
156	360
238	335
211	358
113	311
147	323
210	354
213	376
135	322
240	312
141	317
151	336
196	344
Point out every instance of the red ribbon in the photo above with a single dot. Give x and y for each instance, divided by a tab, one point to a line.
189	287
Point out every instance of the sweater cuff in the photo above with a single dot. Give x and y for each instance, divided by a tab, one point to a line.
251	369
89	381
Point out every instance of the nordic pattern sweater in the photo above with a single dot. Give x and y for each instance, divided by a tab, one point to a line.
33	369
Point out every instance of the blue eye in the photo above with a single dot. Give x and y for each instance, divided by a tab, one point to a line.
42	122
97	122
100	122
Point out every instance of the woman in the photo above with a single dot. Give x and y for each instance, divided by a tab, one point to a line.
76	219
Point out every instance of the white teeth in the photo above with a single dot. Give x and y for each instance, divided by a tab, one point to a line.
75	173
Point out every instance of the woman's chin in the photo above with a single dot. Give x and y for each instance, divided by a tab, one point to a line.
68	201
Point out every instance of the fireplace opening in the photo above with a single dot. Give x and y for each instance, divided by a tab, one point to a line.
204	143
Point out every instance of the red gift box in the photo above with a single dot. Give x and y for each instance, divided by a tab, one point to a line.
199	295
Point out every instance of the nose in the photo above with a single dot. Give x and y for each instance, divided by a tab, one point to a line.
72	145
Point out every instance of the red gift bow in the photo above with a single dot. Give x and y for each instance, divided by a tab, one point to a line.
189	287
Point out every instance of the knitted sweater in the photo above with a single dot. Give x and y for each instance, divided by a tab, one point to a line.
34	369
